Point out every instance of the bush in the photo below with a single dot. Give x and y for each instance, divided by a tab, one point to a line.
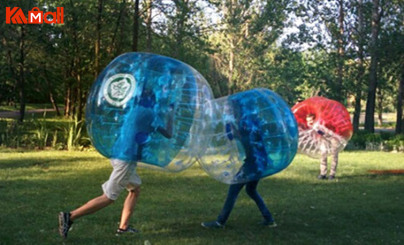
361	138
396	143
42	133
383	141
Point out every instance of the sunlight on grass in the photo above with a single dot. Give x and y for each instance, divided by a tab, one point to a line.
172	205
27	107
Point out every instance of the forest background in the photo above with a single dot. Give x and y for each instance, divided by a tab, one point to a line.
349	51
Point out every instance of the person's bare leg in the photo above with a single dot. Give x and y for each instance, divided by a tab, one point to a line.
91	206
128	207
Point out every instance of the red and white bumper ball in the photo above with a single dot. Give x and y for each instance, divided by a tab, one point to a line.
324	126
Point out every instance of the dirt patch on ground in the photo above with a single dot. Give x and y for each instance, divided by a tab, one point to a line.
387	172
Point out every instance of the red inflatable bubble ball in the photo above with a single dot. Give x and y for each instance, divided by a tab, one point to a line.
324	126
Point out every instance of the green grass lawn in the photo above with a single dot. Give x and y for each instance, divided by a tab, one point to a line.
357	208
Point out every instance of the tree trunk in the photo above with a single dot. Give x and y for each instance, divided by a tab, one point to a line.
358	98
115	48
67	99
21	79
70	96
229	13
370	103
79	96
122	32
182	8
216	78
73	102
98	40
54	105
231	67
379	107
148	26
135	27
50	91
361	69
340	72
400	100
13	72
68	91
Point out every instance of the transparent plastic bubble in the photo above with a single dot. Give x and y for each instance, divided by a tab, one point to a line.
324	126
146	108
248	136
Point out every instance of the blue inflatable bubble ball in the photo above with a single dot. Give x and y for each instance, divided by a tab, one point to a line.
144	108
248	136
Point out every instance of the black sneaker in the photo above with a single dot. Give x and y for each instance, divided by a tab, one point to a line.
212	224
64	223
321	177
332	177
127	230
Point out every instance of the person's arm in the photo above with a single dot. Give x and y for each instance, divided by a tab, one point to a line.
322	130
229	131
168	131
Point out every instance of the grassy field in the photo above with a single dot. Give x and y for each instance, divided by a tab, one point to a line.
358	208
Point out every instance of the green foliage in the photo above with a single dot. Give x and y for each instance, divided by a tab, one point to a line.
291	66
384	141
75	138
236	45
396	143
241	47
41	133
361	138
15	135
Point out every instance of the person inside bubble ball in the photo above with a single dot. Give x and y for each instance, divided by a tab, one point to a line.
329	142
250	137
139	124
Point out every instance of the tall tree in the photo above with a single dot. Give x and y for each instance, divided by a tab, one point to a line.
50	88
135	27
97	45
149	31
115	47
183	12
244	39
325	29
178	31
400	100
21	71
361	68
340	51
374	53
18	41
392	58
